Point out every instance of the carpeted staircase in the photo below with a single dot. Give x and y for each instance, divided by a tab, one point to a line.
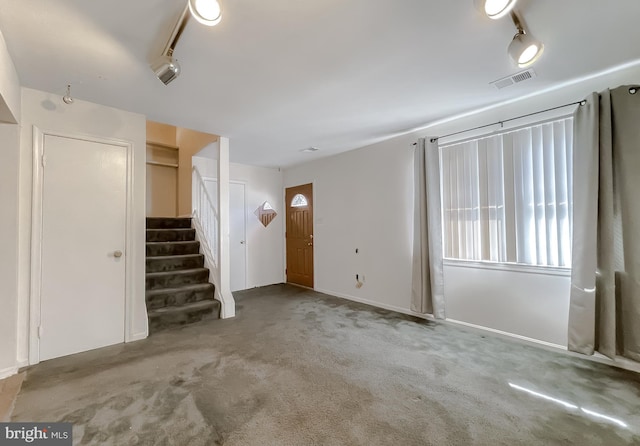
177	283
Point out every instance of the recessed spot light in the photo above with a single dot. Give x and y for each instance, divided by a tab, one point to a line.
310	149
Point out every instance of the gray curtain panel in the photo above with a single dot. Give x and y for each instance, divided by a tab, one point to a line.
605	281
427	291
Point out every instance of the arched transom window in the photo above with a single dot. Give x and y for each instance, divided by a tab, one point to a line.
299	201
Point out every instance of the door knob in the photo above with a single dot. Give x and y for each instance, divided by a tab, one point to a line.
117	254
309	244
242	242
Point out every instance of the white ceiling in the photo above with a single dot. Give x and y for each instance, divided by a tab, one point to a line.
278	76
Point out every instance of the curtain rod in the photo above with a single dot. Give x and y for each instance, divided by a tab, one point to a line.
583	102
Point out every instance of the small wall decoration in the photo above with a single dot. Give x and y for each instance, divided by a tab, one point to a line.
265	213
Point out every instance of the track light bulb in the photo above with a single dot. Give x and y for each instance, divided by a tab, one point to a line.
495	9
524	49
207	12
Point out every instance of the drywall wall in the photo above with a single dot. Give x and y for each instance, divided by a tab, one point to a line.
265	251
49	113
9	159
531	304
9	187
363	200
190	142
9	86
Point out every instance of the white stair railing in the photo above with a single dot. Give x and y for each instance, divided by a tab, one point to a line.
206	222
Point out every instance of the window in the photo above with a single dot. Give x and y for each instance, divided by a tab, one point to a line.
506	198
299	201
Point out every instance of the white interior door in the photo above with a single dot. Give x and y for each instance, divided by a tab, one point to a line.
237	230
237	236
83	231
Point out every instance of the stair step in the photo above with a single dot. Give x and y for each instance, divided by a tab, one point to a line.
171	235
171	297
174	263
155	249
168	223
173	279
162	318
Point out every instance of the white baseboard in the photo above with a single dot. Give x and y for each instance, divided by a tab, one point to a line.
137	337
620	362
23	363
9	371
378	305
506	334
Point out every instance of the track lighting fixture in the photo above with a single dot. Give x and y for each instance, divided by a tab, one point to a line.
495	9
207	12
524	49
67	99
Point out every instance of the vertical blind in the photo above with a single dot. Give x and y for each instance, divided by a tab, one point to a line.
506	198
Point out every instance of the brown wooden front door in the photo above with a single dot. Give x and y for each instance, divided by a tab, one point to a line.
299	235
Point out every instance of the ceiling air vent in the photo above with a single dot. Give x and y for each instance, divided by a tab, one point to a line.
514	79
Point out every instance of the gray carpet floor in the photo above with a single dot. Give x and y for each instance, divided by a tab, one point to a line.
300	368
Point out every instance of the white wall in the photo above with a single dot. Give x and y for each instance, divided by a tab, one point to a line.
530	304
9	158
9	86
48	112
265	252
363	200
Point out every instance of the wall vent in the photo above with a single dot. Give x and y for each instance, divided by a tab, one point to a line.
514	79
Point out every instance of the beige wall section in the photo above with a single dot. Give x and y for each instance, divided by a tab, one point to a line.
169	189
162	191
190	142
161	133
162	181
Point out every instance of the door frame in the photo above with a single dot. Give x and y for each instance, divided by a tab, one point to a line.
246	222
313	225
35	293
